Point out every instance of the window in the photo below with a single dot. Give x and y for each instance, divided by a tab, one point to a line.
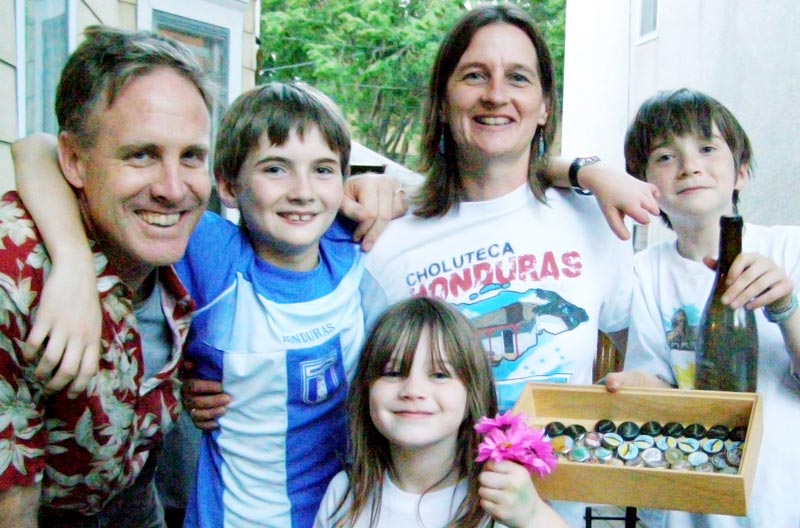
46	48
213	30
648	19
209	43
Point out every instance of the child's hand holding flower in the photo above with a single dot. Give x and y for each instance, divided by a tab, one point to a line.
508	437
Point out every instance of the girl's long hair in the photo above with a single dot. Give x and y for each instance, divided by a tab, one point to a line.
395	338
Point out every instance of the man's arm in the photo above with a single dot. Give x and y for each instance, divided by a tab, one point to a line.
618	194
72	281
19	506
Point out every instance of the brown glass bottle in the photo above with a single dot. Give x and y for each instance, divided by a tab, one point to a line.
726	352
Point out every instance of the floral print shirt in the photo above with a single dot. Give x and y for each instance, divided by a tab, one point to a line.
85	450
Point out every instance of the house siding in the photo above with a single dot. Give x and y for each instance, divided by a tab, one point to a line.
121	14
740	52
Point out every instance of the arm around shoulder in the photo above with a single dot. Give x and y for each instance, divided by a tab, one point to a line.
618	194
70	338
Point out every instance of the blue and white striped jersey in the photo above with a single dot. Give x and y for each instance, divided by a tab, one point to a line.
285	345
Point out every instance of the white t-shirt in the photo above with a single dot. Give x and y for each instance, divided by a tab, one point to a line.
669	297
399	509
537	280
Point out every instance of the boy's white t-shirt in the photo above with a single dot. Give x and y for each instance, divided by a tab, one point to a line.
669	296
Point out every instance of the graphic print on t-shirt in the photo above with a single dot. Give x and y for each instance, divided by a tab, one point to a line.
497	289
681	332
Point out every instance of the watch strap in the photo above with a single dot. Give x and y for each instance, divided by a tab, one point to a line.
576	165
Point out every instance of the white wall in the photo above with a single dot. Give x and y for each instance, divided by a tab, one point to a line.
744	53
595	79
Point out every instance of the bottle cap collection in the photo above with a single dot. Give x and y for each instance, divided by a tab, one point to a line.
669	446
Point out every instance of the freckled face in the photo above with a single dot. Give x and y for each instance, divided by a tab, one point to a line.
288	195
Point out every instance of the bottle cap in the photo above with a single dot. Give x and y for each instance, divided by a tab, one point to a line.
698	457
562	444
651	455
718	431
603	454
713	446
580	453
635	462
651	428
672	456
605	426
666	442
554	429
628	430
719	461
627	451
695	430
738	434
704	468
688	445
612	440
734	454
575	431
681	465
592	439
673	429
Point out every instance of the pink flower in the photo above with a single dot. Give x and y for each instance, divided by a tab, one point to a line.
500	421
508	437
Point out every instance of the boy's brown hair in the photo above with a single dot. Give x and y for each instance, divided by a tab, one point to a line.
678	113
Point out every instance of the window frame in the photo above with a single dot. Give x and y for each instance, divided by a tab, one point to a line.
642	38
22	68
227	14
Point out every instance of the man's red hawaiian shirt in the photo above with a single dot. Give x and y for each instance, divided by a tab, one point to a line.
85	450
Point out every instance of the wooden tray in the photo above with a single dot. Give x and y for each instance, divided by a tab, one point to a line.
646	487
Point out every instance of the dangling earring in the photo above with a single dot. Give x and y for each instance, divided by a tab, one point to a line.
542	148
441	144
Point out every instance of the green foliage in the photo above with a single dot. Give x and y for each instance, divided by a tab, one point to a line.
373	57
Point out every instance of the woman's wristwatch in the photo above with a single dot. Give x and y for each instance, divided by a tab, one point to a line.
576	165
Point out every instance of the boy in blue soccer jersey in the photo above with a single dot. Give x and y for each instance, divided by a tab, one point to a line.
279	318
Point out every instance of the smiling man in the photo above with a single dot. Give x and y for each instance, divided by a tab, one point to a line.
133	113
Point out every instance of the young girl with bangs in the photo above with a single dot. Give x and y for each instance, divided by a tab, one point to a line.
422	383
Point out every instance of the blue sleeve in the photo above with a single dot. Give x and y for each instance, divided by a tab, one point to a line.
214	250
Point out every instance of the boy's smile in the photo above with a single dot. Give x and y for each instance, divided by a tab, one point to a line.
288	195
695	175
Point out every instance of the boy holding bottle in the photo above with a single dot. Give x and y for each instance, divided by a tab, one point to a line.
695	151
